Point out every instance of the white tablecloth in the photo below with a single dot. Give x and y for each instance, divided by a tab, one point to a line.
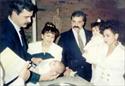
72	80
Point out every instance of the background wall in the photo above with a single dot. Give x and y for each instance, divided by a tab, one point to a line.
59	12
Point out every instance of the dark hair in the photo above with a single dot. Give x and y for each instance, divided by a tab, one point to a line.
50	27
100	24
116	27
113	25
19	5
79	13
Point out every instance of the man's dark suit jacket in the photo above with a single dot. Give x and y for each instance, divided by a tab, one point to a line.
72	56
9	38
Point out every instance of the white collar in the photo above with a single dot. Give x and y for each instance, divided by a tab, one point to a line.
16	26
82	35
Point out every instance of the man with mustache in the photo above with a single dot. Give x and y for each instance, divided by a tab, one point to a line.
73	42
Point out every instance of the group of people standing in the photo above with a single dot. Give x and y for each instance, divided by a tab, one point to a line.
102	59
97	56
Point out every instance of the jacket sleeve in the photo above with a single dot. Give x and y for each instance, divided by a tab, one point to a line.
64	56
34	77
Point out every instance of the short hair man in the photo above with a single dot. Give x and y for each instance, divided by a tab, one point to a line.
73	42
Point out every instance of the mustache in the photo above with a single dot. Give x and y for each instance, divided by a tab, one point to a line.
75	26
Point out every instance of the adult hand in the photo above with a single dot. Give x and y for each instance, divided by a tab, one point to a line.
69	72
36	60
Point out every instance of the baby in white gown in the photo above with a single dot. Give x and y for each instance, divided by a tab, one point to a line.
95	48
51	66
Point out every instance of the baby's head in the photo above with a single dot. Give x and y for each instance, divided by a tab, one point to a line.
96	26
52	66
56	67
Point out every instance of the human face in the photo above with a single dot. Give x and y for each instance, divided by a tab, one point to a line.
56	68
77	22
23	18
95	30
109	37
48	37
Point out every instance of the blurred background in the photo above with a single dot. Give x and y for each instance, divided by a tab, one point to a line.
59	12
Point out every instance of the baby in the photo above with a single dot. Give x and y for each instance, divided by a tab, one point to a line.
48	66
52	66
96	44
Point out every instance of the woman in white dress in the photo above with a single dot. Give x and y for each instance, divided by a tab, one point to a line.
46	48
110	70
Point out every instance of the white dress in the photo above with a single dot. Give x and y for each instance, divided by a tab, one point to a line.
94	51
109	72
55	50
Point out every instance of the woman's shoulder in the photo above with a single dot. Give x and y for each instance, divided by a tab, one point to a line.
121	47
120	51
56	46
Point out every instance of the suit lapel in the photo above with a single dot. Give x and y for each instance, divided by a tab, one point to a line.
73	43
12	32
73	40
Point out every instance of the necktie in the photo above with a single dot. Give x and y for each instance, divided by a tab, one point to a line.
81	45
23	39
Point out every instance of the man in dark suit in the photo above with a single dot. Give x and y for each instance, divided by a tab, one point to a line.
73	47
12	34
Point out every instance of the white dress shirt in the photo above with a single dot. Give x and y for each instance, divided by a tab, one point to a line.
82	35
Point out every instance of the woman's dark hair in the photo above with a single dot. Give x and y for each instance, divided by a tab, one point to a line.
113	25
19	5
116	27
50	27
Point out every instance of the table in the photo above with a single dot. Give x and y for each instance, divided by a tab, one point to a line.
75	81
